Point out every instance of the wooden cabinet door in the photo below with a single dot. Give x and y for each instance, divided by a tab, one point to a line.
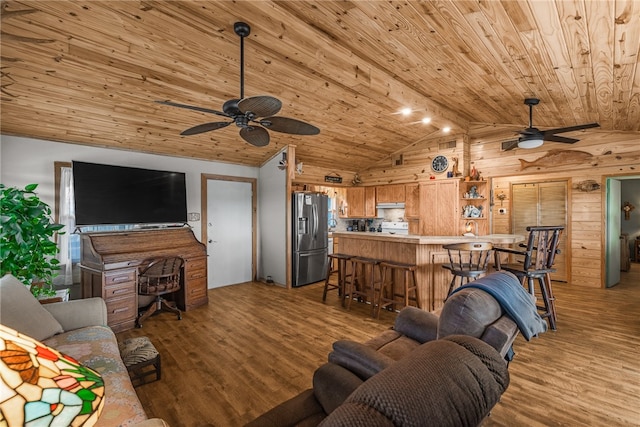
428	209
370	202
361	202
390	193
412	201
447	202
439	208
414	226
355	202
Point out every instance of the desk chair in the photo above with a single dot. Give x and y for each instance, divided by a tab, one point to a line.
535	262
156	278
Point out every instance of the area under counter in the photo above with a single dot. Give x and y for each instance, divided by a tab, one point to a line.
426	252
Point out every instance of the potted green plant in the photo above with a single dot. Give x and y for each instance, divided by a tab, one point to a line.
27	249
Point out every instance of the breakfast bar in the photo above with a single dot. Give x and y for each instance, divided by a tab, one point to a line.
426	252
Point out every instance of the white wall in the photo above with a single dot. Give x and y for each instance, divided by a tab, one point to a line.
272	222
26	161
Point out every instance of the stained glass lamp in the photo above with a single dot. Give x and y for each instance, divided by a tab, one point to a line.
43	387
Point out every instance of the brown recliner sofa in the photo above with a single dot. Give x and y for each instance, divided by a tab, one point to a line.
453	381
493	309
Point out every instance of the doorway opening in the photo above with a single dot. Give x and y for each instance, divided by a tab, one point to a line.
620	232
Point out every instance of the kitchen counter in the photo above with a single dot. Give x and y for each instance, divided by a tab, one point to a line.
426	252
496	239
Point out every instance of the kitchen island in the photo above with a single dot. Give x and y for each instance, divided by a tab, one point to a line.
426	252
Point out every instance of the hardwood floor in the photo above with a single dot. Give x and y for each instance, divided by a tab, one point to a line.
256	345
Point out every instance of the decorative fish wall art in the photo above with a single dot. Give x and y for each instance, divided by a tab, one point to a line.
557	158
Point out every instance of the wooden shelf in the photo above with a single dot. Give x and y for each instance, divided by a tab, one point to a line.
482	189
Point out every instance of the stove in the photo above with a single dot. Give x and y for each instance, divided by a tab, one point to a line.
398	227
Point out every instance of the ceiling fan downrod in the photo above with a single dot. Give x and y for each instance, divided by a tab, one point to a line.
531	102
242	29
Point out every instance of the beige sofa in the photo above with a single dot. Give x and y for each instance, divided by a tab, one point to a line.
78	328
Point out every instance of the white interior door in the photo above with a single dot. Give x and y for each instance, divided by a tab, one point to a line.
229	232
614	214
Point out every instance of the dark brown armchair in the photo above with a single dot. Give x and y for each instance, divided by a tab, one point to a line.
535	262
158	277
455	381
494	309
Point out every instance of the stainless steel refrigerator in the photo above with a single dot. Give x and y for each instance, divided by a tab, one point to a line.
310	238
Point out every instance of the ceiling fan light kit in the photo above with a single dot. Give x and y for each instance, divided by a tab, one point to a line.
253	115
530	142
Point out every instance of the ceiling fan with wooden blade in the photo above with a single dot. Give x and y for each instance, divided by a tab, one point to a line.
532	137
253	115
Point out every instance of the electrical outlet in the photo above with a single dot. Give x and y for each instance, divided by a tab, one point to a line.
502	211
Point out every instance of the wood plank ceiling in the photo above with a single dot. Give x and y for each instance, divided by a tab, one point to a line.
88	72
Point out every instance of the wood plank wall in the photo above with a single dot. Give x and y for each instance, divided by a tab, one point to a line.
602	155
599	155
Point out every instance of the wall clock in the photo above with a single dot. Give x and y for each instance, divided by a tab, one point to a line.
439	163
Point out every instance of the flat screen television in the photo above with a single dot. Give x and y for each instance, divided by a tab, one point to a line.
106	194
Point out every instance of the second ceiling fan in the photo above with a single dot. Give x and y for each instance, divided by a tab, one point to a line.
532	137
253	115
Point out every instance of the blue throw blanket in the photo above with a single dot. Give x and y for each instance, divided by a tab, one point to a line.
515	301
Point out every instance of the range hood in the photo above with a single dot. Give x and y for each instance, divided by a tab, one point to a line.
398	205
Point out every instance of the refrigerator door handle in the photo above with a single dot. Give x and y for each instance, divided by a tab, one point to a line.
315	221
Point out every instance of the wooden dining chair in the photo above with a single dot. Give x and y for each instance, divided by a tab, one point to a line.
467	261
535	263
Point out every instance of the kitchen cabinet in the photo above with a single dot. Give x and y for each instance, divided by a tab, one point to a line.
394	193
370	210
414	226
412	201
474	204
361	202
439	212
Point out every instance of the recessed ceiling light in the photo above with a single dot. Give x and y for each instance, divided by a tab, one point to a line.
446	129
406	111
426	120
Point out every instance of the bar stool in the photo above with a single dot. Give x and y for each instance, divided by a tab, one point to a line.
341	270
363	281
388	288
468	261
535	262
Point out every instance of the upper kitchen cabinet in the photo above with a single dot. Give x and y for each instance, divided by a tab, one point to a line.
361	202
412	201
439	215
390	193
